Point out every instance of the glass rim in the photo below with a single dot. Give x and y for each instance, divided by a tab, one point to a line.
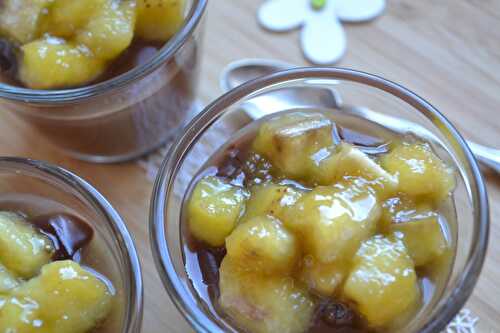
169	168
133	278
63	96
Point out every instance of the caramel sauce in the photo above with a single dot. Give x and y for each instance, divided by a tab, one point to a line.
69	234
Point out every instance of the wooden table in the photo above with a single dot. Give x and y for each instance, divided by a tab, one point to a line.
447	51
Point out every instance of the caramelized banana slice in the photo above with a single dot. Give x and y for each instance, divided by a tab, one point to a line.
64	18
63	298
23	250
214	209
110	31
420	171
52	63
334	220
424	239
158	20
263	245
291	141
264	304
382	282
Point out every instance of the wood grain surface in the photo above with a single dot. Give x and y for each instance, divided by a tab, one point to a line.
447	51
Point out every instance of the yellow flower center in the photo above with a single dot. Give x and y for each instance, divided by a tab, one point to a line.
318	4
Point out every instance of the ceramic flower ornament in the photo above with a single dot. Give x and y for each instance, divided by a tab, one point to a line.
323	39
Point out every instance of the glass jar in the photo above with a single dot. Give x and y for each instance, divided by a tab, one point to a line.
395	106
37	187
124	117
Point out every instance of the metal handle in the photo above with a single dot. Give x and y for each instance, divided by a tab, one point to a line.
486	155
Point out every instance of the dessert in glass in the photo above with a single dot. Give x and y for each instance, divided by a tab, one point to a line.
67	262
104	80
316	219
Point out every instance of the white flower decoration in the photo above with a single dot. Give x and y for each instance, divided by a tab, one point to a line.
464	322
322	38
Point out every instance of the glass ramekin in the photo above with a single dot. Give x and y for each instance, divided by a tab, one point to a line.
214	126
124	117
111	252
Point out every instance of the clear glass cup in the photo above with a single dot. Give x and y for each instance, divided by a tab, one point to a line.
33	187
124	117
221	119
